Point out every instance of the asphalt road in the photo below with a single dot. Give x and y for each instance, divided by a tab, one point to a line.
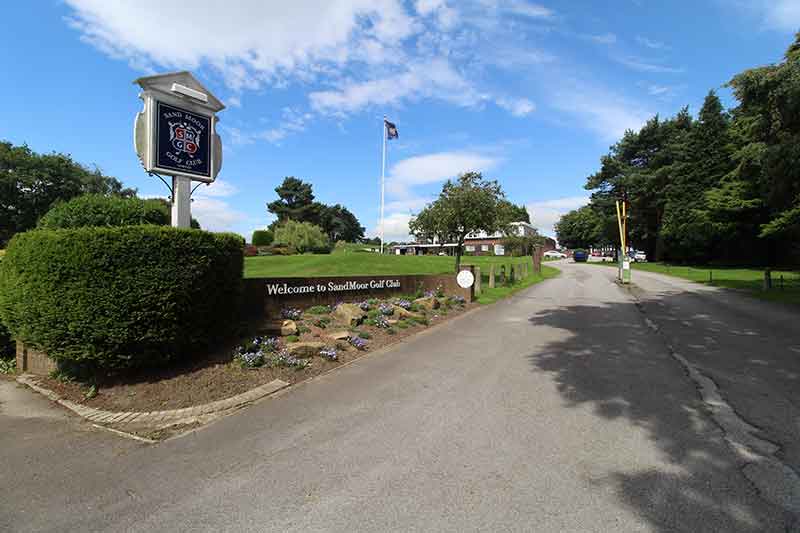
561	409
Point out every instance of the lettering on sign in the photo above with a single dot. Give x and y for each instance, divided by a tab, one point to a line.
282	289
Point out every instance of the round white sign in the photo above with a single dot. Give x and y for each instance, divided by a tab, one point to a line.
465	279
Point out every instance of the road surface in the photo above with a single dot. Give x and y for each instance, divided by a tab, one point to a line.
574	406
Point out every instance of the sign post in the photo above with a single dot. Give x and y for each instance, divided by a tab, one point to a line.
624	260
175	134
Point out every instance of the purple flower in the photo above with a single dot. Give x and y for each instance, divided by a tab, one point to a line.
329	354
405	304
358	342
386	309
291	313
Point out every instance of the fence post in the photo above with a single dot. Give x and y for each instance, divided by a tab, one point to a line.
502	274
767	279
491	276
710	277
477	281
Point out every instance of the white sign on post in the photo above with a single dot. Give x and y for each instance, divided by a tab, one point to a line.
465	279
175	134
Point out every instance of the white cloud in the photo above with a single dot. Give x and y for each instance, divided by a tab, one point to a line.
521	8
211	211
434	79
650	43
641	65
292	121
395	228
519	107
606	38
544	214
782	15
607	114
252	40
433	168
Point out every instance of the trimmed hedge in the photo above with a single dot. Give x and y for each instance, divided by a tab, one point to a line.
262	237
120	297
100	210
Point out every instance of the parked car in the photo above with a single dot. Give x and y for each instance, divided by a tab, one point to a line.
555	254
580	256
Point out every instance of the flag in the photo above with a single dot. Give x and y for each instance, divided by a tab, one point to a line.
391	130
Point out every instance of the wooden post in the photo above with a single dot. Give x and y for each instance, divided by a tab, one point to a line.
491	276
477	281
767	279
502	274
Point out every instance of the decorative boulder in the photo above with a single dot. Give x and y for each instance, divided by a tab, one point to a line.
305	350
283	328
430	303
339	335
405	313
349	314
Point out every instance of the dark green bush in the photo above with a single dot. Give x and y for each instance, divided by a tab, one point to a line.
120	297
99	210
7	346
262	237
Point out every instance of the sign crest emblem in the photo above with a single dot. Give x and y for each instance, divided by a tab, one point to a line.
184	137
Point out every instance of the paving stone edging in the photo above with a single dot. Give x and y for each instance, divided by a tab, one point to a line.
157	419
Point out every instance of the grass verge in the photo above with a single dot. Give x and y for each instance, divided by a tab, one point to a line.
490	296
748	280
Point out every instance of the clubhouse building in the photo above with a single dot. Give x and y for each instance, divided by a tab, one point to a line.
479	243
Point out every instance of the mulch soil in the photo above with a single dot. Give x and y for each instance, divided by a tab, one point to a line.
217	375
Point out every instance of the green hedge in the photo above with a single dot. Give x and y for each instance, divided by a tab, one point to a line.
262	237
120	297
100	210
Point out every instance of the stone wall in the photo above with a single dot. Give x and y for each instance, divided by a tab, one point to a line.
267	296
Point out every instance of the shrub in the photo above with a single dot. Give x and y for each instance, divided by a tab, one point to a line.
7	345
120	297
262	237
303	237
99	210
318	310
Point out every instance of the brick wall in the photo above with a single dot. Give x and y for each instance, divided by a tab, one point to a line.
259	301
32	361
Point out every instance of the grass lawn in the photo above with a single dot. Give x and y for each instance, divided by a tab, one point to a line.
351	262
750	280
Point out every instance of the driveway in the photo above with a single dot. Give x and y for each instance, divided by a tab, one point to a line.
561	409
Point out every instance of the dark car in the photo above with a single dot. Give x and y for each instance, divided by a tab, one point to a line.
580	256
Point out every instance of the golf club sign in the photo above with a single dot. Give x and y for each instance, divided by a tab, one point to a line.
175	134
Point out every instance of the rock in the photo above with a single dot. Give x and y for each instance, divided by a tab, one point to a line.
339	335
283	328
405	313
349	314
430	303
345	346
305	350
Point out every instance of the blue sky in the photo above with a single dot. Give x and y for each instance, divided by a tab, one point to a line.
532	94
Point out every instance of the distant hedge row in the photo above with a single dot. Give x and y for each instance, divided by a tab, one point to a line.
120	296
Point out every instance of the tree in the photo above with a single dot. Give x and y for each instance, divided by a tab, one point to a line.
340	224
302	236
295	202
515	213
31	183
580	228
469	204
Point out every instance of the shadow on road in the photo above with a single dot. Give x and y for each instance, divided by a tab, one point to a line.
614	363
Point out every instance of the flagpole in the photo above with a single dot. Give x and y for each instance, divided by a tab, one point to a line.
383	176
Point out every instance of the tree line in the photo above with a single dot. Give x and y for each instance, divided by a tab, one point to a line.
722	187
31	183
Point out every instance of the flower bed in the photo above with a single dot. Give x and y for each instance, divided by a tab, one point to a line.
252	360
